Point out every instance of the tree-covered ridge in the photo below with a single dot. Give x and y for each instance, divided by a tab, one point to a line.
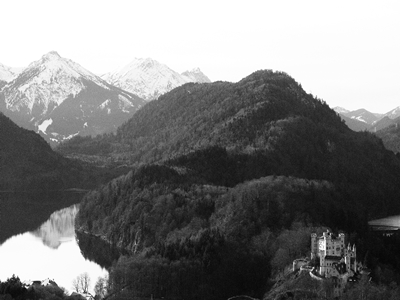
27	161
196	116
391	136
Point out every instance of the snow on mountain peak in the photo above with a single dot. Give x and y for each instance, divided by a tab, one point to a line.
7	74
195	75
58	98
149	78
47	82
51	55
341	110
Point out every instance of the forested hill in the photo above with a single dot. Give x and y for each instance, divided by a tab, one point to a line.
266	125
28	163
244	172
239	116
391	136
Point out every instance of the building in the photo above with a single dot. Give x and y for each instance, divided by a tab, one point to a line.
335	260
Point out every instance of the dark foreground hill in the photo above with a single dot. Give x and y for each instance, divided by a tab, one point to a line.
233	178
28	162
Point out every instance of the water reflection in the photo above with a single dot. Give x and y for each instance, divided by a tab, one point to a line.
51	251
22	212
60	227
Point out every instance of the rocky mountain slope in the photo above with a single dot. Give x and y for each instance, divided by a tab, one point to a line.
149	79
58	98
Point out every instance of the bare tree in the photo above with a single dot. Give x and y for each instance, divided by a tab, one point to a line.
81	283
75	284
84	282
101	287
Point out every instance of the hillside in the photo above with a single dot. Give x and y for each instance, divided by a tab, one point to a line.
229	180
354	124
391	136
27	161
196	116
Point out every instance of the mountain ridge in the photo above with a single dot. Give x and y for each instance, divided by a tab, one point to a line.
150	79
58	98
372	121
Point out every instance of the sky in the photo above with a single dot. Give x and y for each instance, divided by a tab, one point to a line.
346	53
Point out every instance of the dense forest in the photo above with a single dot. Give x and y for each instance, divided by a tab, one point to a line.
227	183
391	136
26	160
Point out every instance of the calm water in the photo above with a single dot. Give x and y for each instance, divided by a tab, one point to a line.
49	251
392	221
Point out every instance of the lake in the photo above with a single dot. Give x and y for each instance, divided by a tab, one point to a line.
388	223
37	249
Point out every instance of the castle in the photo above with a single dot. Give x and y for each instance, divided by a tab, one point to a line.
335	260
334	257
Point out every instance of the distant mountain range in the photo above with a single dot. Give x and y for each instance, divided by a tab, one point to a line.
149	79
362	119
59	99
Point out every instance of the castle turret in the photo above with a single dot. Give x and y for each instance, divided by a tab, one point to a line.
314	246
342	247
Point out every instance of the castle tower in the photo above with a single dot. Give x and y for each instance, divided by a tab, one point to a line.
341	237
327	242
314	245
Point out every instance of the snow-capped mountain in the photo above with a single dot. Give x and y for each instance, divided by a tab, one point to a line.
341	110
195	75
149	79
393	114
357	120
362	115
59	99
7	73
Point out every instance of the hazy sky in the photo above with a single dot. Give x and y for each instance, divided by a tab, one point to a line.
345	52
